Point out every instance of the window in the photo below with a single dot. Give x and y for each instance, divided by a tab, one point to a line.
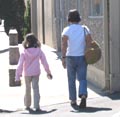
96	7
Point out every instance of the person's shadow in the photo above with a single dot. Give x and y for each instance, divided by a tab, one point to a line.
91	109
38	112
6	111
3	51
21	111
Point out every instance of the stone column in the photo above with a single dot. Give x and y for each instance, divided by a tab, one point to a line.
13	57
114	45
106	45
34	17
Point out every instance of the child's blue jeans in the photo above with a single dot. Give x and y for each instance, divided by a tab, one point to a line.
76	69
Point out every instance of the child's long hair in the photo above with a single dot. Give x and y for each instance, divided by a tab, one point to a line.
31	41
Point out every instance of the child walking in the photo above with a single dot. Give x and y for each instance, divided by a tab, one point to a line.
30	65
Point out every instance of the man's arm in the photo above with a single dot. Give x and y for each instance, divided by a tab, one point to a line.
64	49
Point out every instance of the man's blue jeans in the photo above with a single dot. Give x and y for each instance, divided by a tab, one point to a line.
76	69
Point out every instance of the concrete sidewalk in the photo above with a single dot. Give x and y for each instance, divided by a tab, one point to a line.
54	93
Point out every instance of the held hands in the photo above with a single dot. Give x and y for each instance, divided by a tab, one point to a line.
49	76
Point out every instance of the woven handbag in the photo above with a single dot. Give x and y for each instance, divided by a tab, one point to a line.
93	54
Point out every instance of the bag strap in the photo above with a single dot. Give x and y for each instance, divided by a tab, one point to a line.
88	44
85	30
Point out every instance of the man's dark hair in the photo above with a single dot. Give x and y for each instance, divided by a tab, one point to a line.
74	16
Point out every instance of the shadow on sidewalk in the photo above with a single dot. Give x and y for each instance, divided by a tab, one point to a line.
6	111
58	54
39	112
113	96
5	50
92	109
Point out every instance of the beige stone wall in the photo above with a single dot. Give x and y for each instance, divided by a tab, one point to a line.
55	19
95	24
96	72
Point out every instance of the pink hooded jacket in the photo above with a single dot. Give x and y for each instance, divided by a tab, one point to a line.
29	62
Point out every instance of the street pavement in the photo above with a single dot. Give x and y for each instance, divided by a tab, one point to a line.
54	93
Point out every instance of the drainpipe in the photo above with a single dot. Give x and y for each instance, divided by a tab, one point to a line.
106	44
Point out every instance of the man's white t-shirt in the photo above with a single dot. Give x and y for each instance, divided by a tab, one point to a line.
76	39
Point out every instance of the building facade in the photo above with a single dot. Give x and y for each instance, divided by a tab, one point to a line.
49	17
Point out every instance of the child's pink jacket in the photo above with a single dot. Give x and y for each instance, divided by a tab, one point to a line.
29	63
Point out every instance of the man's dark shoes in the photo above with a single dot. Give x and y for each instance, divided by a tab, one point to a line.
38	110
82	103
